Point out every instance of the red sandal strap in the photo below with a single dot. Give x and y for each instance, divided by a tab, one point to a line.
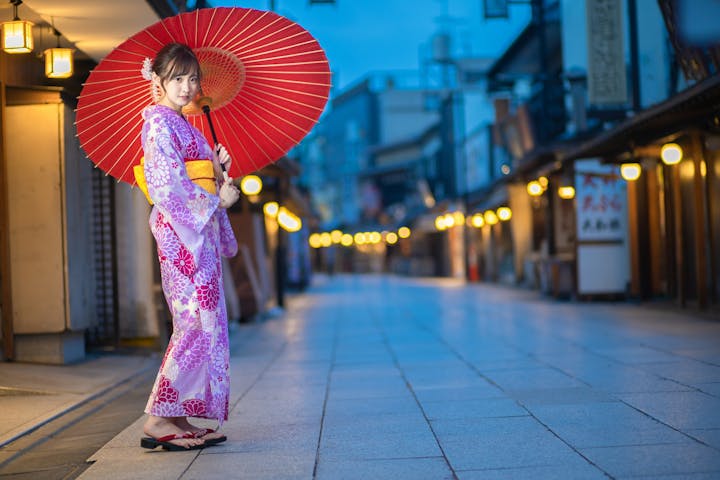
175	436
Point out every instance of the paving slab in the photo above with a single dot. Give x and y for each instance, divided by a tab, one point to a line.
431	468
31	395
680	410
397	378
654	460
575	469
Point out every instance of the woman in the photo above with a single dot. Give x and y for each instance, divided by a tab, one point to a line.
192	230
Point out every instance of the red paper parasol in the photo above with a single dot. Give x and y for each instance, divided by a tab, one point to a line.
267	80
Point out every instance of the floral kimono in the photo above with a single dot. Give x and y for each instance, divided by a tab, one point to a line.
191	231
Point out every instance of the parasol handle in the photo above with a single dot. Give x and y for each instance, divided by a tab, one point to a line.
206	111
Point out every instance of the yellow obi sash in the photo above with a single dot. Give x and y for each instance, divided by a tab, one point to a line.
200	172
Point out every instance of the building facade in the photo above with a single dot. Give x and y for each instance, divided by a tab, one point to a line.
617	83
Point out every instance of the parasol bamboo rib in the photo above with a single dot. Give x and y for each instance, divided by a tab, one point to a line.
220	28
282	119
237	41
275	87
243	45
247	54
136	101
274	125
296	102
255	165
224	39
231	135
120	100
220	127
282	107
117	123
247	27
136	93
262	132
117	157
296	82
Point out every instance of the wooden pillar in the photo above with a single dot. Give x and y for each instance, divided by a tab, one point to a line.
656	202
634	240
677	215
8	334
713	211
699	219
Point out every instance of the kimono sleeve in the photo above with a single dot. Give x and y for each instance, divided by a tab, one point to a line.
187	206
228	243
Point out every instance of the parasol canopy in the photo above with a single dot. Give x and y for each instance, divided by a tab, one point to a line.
264	77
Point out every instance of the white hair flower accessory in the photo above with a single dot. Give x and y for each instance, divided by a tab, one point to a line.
146	70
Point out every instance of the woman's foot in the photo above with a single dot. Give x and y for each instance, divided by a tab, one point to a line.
206	434
159	427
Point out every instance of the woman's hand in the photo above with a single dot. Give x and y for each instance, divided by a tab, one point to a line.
221	157
229	193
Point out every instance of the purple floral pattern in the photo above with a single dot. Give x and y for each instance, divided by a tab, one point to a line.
192	233
193	350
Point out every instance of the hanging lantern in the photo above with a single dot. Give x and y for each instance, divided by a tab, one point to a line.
630	171
325	237
17	34
271	209
534	188
251	185
346	240
314	240
671	153
58	62
504	213
566	192
292	223
478	220
490	217
440	223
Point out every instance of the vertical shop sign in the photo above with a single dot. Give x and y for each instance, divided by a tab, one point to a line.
607	76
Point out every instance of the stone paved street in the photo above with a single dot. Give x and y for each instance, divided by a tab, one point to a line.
374	377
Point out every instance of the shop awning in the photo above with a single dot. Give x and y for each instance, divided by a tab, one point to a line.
694	107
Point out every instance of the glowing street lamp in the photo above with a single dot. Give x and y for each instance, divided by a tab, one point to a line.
490	217
566	192
477	220
251	185
630	171
271	209
534	188
504	214
671	153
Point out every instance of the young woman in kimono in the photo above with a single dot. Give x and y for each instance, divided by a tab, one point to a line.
192	231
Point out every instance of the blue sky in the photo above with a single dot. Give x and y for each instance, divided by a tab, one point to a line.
363	36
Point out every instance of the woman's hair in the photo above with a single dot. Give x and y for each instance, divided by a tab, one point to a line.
175	59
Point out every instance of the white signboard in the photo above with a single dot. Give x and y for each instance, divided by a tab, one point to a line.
602	250
601	202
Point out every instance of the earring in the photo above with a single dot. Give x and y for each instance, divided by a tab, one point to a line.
156	93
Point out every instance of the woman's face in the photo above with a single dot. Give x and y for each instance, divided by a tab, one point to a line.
179	90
